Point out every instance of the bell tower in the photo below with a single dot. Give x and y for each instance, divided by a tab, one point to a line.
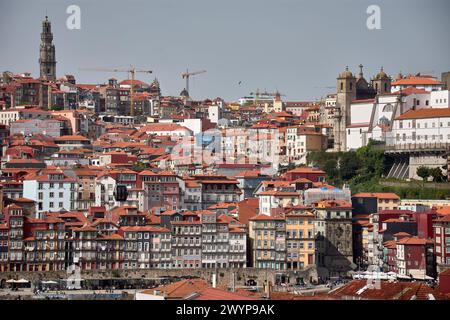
346	93
47	62
382	82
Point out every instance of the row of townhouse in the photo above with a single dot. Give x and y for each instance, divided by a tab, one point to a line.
298	236
78	188
410	256
368	241
123	238
409	239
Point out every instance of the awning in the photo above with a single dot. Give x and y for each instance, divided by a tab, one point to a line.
22	281
49	282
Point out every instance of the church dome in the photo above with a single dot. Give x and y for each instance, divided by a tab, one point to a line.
184	93
381	75
346	73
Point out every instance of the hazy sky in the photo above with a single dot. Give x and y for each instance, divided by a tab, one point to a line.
294	46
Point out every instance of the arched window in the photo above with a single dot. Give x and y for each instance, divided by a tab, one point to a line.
388	108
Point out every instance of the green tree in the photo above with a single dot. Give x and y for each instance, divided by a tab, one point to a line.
349	165
139	166
330	167
437	175
423	172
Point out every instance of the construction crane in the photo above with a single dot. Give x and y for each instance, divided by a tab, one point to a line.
188	74
131	74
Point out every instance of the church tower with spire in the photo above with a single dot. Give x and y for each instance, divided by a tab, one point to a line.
47	62
346	93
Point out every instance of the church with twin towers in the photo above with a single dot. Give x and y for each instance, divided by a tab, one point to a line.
350	88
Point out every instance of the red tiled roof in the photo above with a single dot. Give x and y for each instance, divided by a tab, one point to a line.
379	195
179	289
425	114
218	294
266	217
387	291
144	229
72	138
306	170
414	80
411	90
414	241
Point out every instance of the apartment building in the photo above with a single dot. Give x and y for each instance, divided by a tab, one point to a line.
278	198
15	224
215	240
237	254
414	257
187	243
4	244
162	190
9	116
44	244
146	247
217	188
110	251
84	242
300	239
268	241
442	242
300	141
51	189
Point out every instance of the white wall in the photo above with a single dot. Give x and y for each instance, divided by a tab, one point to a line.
355	137
31	191
432	130
440	99
193	124
361	112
